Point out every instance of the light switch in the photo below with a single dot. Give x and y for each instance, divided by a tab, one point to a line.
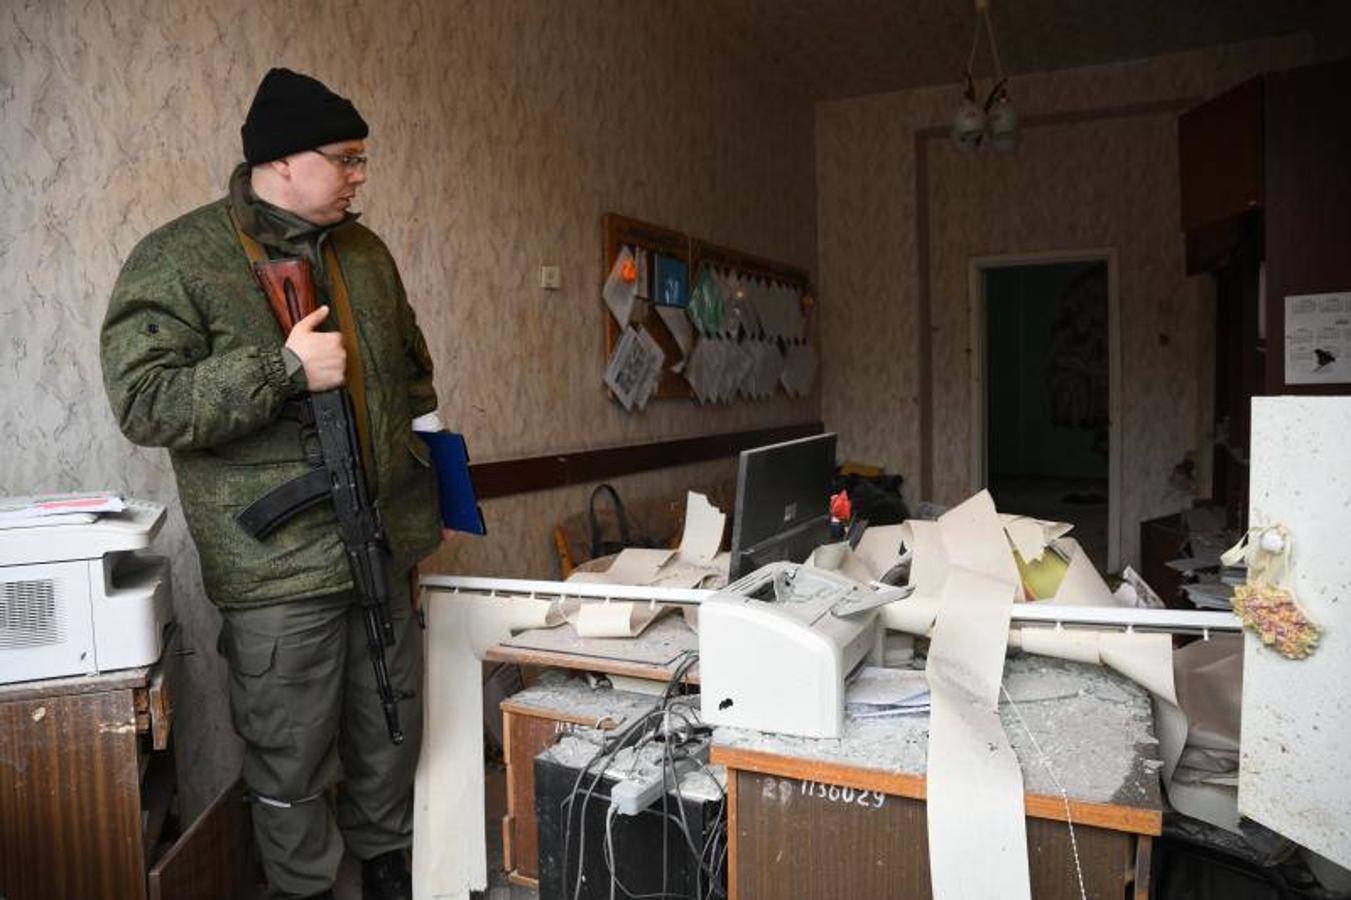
550	277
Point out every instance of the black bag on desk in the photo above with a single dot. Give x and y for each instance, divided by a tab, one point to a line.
601	547
877	499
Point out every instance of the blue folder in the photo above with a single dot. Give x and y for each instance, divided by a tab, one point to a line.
459	505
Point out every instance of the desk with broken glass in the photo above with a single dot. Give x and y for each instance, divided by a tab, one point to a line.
858	801
1079	727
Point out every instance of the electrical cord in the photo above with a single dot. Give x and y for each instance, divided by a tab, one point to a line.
601	761
674	723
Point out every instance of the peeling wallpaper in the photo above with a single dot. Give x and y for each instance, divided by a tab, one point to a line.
1095	182
501	132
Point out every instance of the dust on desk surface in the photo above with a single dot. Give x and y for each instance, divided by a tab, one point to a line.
660	644
577	750
557	692
1095	727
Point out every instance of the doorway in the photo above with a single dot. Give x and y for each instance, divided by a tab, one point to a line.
1045	441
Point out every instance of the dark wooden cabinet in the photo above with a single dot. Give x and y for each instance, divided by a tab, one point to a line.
1266	211
214	858
1162	540
1307	215
1265	179
1220	157
86	784
88	796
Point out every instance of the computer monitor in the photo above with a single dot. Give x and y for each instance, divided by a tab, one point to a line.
782	502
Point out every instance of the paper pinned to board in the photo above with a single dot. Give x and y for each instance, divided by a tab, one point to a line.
704	525
766	369
701	369
635	368
799	370
621	287
677	322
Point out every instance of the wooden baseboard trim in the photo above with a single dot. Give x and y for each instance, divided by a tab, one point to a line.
538	473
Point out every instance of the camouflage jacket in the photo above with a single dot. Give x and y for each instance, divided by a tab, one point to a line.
192	360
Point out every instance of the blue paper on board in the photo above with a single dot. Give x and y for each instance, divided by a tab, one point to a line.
459	504
671	282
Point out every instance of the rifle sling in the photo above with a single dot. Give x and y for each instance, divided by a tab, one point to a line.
342	307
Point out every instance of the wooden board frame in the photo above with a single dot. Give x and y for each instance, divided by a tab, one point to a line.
621	230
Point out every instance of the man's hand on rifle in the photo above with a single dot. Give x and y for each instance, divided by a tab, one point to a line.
321	352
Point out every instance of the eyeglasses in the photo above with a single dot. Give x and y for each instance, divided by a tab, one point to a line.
346	160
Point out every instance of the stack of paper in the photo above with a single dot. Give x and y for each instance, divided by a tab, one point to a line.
876	692
1210	595
1208	583
58	509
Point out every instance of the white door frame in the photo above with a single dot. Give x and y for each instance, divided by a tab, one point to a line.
979	414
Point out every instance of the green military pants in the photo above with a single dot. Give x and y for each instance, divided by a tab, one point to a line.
302	696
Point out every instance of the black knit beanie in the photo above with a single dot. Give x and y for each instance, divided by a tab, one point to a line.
293	112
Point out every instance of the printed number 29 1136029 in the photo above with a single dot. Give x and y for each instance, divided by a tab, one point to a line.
847	795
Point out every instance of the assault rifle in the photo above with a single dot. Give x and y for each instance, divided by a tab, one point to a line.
336	472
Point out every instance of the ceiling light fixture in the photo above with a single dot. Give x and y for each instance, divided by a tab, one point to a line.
995	119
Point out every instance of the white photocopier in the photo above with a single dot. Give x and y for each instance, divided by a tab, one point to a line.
77	599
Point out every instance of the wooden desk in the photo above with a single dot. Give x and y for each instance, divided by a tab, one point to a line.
532	720
812	819
86	783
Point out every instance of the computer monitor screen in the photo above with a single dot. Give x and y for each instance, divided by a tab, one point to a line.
782	502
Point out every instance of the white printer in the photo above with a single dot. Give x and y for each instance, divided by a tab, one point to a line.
776	646
77	599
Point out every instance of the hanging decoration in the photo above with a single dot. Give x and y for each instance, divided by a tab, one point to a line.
994	120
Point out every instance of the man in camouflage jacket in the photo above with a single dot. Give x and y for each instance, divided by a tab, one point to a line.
193	360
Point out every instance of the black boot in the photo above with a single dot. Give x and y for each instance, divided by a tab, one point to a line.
386	877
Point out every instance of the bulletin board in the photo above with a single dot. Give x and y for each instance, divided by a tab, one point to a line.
679	248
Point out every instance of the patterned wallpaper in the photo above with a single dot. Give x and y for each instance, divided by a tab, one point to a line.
501	132
1091	183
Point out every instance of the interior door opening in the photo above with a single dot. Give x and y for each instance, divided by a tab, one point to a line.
1047	397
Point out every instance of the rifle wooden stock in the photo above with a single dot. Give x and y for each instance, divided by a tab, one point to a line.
289	286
